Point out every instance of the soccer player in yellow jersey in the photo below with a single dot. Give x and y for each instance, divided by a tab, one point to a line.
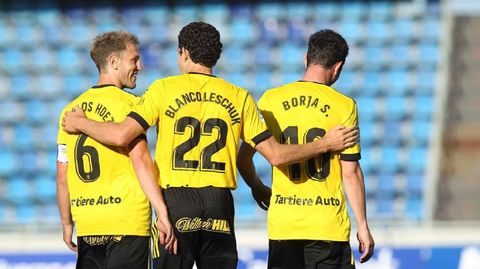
201	119
97	185
308	222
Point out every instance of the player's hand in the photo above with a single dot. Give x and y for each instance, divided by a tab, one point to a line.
67	237
71	118
366	244
166	233
262	194
341	137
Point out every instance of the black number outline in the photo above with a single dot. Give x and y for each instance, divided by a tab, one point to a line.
205	162
92	154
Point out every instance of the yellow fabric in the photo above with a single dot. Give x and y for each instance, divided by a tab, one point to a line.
106	197
201	120
308	201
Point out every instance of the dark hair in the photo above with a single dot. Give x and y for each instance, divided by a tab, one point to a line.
325	48
110	42
202	41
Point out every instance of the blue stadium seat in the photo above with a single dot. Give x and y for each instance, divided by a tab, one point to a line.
235	58
380	10
26	213
30	162
269	10
415	185
18	191
391	160
49	133
289	77
75	84
215	13
402	55
52	36
386	187
45	188
368	107
9	162
370	161
291	56
405	30
262	57
414	209
157	14
426	81
238	78
369	133
239	9
27	36
378	32
373	83
49	213
22	86
271	31
24	137
12	112
50	86
243	31
423	107
295	10
326	11
417	159
297	31
385	208
70	60
429	54
48	16
262	82
347	82
353	11
399	82
420	132
6	35
431	28
395	108
394	134
352	31
14	60
42	59
375	56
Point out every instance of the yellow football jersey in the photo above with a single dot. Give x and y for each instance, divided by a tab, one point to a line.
201	119
105	195
307	200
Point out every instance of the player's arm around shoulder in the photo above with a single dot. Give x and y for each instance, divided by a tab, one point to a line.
110	133
336	139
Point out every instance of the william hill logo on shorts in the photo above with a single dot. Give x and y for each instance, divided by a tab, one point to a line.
186	224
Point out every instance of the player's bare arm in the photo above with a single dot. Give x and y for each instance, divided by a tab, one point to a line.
336	139
63	200
355	190
110	133
260	192
145	170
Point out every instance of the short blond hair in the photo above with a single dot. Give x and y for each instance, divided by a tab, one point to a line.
110	42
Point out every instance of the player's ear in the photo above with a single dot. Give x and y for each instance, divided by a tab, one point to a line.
305	60
337	68
185	54
113	61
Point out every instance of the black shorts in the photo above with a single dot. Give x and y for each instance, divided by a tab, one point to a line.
203	220
309	254
113	252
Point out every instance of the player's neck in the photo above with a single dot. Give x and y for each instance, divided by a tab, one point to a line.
318	75
104	79
198	68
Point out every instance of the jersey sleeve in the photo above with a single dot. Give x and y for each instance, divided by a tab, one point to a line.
62	135
351	153
146	111
254	128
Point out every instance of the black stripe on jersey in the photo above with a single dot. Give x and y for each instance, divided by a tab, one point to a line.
142	137
350	157
139	119
262	136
